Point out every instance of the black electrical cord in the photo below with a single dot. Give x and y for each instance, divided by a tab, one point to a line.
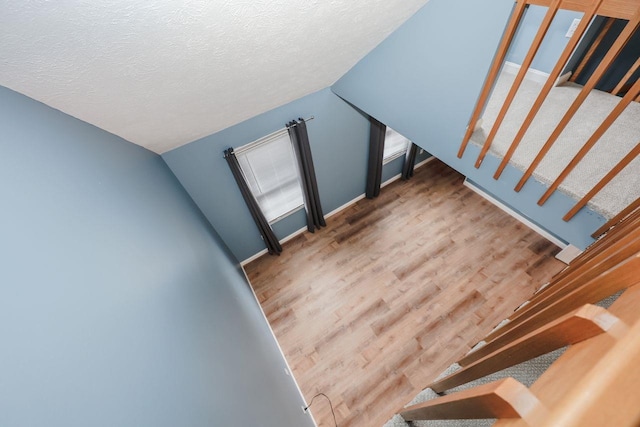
330	405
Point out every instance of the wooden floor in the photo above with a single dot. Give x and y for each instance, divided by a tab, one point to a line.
372	308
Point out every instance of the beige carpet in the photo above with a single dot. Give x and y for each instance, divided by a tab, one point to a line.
621	137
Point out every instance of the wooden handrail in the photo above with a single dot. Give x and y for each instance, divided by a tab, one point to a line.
607	395
626	220
623	9
500	399
623	249
635	205
620	277
625	245
579	325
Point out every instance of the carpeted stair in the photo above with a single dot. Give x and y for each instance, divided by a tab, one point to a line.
621	137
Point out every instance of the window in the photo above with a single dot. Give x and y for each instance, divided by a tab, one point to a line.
395	145
270	168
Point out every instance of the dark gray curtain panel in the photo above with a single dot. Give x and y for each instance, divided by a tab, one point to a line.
376	154
300	139
270	239
409	162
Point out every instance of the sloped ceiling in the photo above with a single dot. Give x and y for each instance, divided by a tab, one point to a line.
163	73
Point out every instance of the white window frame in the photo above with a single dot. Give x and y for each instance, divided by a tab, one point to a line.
253	181
395	145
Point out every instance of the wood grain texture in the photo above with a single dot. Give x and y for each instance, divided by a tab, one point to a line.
620	277
505	398
608	393
605	256
579	325
616	228
372	308
623	9
566	373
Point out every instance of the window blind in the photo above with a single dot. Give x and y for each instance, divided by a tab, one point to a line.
271	172
395	145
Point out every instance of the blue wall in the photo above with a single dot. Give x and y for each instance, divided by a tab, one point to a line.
339	139
424	79
553	43
119	305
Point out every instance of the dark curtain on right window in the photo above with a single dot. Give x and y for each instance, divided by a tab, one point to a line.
376	154
300	140
409	162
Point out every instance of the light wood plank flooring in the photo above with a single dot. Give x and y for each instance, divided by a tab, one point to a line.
372	308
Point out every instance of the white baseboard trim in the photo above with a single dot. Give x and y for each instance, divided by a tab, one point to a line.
397	177
288	370
332	213
541	231
264	251
532	73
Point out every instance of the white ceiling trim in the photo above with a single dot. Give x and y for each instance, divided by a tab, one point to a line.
164	73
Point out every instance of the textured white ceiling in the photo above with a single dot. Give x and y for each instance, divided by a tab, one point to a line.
166	72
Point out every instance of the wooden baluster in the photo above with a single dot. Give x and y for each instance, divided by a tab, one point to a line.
626	77
611	250
596	257
583	62
620	277
616	219
604	181
613	237
555	73
493	71
505	398
611	55
627	246
579	325
526	63
611	118
607	394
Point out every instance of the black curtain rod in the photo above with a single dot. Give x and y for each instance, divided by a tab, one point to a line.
284	129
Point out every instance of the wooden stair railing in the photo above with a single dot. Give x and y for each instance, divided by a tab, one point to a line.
608	266
600	361
500	399
583	323
611	9
604	181
603	365
633	207
608	394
